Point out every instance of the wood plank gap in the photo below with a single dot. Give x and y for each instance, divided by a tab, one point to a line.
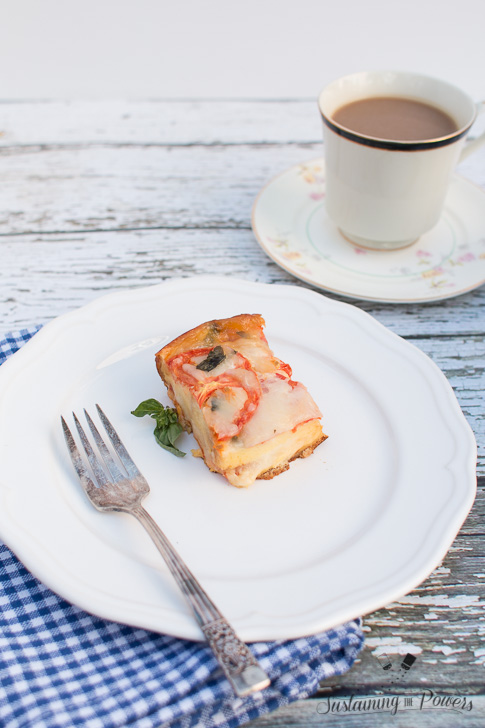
441	335
172	100
88	231
7	150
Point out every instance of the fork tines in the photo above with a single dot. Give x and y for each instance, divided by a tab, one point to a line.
112	467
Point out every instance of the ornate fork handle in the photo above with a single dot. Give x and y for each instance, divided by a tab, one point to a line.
237	661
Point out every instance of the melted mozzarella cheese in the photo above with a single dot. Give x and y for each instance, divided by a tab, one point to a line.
221	409
283	406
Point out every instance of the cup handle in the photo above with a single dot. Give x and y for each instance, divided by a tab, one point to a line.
476	143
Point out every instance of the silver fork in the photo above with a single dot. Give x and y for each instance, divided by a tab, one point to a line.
118	491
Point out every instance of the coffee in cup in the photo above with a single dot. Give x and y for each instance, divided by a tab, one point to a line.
392	141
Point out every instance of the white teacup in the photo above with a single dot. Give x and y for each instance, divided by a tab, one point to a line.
384	194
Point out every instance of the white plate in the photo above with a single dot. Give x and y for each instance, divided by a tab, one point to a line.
291	225
359	523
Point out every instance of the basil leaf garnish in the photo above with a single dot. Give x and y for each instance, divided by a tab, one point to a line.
167	428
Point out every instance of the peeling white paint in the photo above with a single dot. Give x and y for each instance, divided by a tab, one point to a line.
447	650
431	615
442	570
392	645
480	654
443	600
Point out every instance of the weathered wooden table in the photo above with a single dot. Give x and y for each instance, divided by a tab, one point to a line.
104	196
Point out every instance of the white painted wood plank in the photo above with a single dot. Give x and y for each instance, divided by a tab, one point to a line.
42	276
111	188
163	122
158	122
137	187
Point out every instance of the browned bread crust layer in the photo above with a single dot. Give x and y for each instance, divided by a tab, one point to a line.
303	453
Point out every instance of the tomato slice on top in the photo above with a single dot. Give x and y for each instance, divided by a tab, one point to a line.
228	394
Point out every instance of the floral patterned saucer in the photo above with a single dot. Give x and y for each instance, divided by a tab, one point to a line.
291	225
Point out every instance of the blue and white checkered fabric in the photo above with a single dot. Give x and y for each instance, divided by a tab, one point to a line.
60	666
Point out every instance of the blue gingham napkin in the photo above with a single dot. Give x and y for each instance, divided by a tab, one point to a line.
60	666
